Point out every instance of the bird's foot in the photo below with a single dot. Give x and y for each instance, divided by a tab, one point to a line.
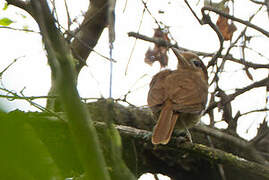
183	134
188	135
146	136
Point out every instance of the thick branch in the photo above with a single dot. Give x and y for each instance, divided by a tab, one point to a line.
250	151
211	154
25	5
177	159
90	30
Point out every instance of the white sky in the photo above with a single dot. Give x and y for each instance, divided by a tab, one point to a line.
32	71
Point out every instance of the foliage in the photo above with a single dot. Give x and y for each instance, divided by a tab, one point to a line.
5	21
60	147
23	154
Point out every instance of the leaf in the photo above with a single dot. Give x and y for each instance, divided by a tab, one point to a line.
159	53
26	27
22	153
5	21
23	16
5	6
225	28
150	57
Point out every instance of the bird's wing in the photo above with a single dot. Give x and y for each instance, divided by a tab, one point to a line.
187	91
156	94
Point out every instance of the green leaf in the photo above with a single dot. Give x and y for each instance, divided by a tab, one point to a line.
23	155
23	16
5	6
5	21
26	27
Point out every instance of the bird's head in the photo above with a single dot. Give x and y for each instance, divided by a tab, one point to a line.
189	60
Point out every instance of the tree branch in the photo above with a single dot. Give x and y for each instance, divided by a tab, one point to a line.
247	23
207	20
89	31
25	5
258	2
238	92
212	155
63	70
228	57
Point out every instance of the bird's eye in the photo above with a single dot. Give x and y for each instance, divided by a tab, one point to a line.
197	62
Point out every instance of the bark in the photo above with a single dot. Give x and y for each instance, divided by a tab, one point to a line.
87	35
63	70
84	40
178	159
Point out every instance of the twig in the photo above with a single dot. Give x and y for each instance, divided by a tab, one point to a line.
207	20
25	97
162	42
249	64
226	56
247	23
158	41
146	7
133	48
258	2
255	51
238	92
88	46
254	111
267	6
29	99
18	29
6	68
193	12
69	21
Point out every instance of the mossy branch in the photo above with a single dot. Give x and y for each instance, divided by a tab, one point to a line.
79	121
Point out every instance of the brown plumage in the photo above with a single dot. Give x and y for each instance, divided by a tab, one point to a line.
178	97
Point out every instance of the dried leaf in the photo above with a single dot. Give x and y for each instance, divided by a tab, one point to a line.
159	53
149	57
225	28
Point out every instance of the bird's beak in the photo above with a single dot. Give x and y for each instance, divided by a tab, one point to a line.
181	60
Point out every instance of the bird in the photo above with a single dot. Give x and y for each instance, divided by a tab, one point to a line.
178	97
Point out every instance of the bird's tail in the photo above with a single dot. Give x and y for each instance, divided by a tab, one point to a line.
165	125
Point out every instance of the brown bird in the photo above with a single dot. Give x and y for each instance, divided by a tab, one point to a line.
178	97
